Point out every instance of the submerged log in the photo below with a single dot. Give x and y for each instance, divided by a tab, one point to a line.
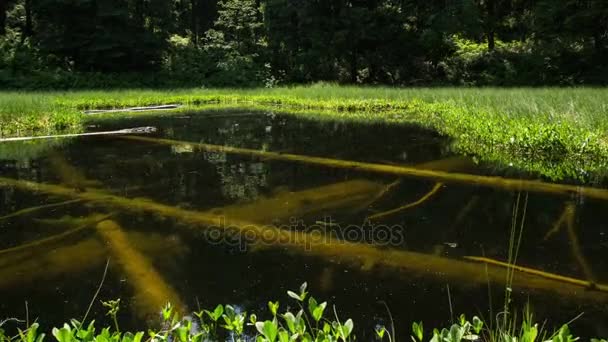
68	174
461	272
137	130
323	199
150	289
31	210
31	249
404	171
82	255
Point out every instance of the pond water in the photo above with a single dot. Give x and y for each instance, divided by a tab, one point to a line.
414	260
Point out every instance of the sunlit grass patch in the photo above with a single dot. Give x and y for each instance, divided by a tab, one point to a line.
558	132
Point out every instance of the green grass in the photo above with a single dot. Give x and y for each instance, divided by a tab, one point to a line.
557	132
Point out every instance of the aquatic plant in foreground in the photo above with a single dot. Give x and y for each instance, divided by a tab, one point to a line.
309	322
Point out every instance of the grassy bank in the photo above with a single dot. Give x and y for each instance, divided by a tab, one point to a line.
560	133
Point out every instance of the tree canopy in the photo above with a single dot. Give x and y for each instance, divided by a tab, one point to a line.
265	42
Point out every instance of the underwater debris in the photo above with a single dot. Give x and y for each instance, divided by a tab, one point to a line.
462	272
35	247
422	199
564	279
31	210
82	255
439	176
150	289
68	174
567	219
286	205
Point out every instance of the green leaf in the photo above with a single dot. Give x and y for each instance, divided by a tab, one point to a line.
283	335
380	332
418	330
182	334
32	332
456	333
477	324
317	313
293	295
349	325
138	336
64	334
462	319
268	329
273	307
312	304
197	338
216	314
290	319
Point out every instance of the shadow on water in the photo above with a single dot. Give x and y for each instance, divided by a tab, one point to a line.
56	242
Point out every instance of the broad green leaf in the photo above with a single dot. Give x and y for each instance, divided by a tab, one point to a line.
317	313
64	334
293	295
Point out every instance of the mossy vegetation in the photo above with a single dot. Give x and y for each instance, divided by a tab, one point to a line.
559	133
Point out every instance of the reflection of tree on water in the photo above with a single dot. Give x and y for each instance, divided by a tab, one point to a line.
23	168
241	180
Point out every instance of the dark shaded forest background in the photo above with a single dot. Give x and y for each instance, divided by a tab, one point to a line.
182	43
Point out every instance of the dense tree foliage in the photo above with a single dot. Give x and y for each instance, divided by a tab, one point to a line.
97	43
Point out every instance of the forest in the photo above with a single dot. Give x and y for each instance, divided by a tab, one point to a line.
72	44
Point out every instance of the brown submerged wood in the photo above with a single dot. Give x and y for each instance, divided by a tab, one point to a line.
404	171
82	255
151	291
458	272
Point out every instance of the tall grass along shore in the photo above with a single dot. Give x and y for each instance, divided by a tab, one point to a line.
556	132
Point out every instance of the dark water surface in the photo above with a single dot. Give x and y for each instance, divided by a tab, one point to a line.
58	278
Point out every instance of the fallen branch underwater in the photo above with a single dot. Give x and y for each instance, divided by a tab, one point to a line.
570	280
31	210
150	288
136	130
34	247
438	176
364	255
416	203
82	255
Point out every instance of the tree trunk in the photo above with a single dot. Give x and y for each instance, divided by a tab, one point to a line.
598	41
353	68
491	40
490	24
139	14
29	31
193	23
3	8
